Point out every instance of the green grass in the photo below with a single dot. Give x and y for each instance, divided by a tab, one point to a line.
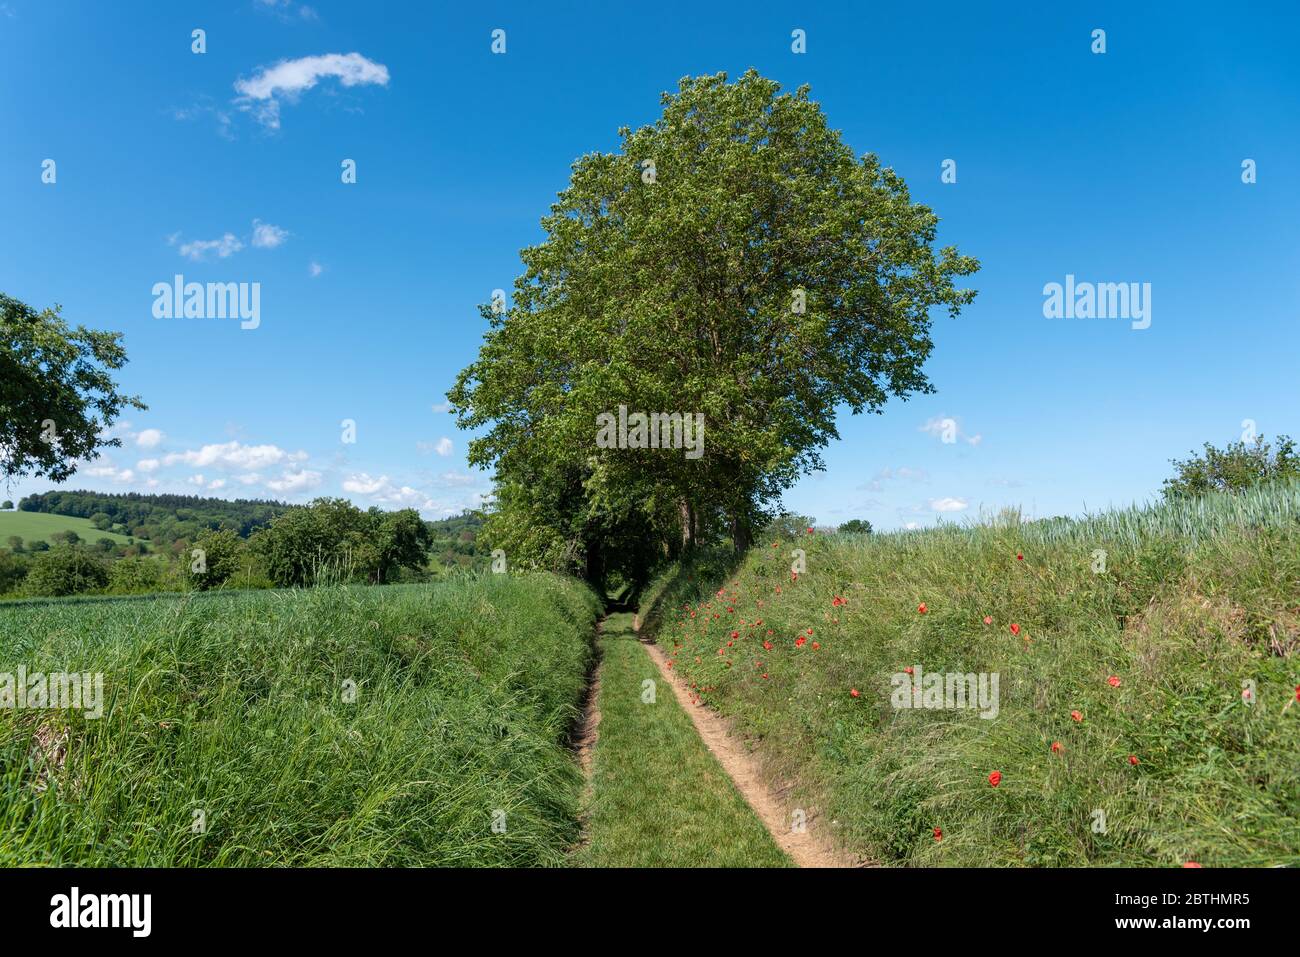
1194	600
659	799
234	705
38	527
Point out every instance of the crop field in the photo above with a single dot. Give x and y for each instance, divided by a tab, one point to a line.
418	725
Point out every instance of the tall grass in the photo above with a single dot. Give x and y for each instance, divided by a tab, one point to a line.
1196	601
228	738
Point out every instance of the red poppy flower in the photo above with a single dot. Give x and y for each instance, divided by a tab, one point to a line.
1015	629
837	601
988	619
1056	747
1191	864
800	641
810	631
855	693
816	645
765	675
921	608
907	670
1076	716
810	531
1019	557
938	834
1133	759
735	634
1113	681
767	645
995	778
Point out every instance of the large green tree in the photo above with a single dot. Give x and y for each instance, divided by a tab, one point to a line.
57	396
331	541
733	259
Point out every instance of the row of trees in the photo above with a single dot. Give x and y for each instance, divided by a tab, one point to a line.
733	260
330	541
161	519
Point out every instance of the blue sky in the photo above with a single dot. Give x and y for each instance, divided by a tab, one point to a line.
1115	167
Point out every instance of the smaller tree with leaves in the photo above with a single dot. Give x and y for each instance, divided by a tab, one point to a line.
1235	468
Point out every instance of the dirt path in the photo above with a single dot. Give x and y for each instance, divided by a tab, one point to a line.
584	735
806	849
583	738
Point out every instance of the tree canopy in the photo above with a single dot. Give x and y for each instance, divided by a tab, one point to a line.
735	260
57	397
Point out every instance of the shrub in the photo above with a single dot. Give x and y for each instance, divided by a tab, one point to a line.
65	570
1233	469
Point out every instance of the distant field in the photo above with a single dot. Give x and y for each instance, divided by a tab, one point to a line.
38	527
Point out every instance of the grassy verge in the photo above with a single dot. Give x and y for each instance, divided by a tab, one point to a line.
659	799
1161	672
228	737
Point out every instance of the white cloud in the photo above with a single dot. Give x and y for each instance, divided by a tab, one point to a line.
148	465
261	94
948	504
267	236
287	10
149	438
198	249
441	407
234	455
196	479
363	484
264	236
109	472
444	446
912	526
383	491
292	481
903	473
315	269
249	478
217	483
458	479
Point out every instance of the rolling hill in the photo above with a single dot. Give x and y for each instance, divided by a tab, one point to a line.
39	526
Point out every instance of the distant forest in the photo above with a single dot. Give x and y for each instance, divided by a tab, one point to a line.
171	522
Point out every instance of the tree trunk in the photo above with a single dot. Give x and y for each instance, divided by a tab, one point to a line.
688	526
742	536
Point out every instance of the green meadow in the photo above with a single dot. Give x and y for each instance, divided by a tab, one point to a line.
39	526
